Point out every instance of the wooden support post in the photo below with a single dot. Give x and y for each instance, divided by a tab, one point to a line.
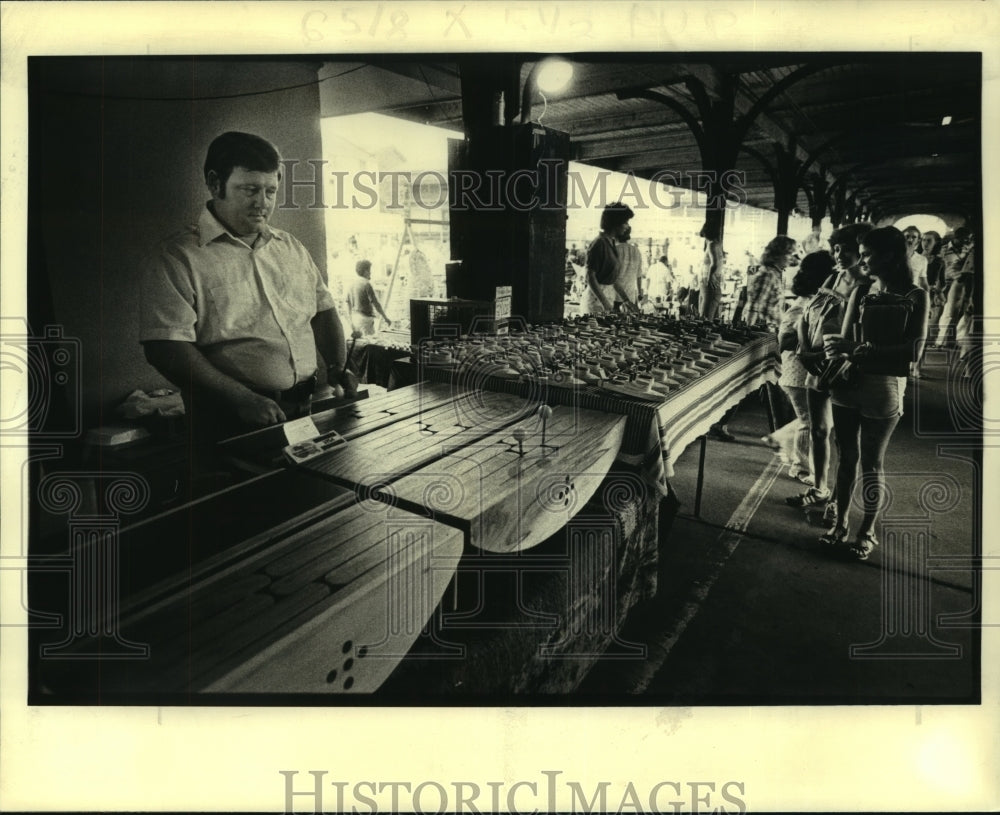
701	477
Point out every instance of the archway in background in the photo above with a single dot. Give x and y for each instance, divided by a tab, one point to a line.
925	223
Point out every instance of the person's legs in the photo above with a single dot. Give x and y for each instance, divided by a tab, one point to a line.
720	430
820	425
820	422
801	449
875	435
693	297
704	298
785	439
934	317
948	314
847	425
778	403
713	297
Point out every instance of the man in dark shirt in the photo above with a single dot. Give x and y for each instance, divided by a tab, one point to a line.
604	265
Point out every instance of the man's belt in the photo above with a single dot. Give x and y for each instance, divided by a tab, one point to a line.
296	394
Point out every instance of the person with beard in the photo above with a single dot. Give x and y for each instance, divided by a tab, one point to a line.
233	310
604	262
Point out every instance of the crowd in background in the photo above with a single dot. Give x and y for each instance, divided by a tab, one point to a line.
852	317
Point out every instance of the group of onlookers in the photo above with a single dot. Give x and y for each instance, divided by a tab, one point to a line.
853	333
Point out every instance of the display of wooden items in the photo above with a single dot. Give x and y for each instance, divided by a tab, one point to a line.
644	358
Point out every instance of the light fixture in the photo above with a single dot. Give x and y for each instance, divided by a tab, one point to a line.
549	75
554	74
946	120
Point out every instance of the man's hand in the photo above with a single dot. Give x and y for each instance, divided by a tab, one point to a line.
259	411
349	382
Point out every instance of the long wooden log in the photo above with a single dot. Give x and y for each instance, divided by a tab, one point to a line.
359	586
513	490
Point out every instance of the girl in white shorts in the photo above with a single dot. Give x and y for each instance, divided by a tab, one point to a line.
883	332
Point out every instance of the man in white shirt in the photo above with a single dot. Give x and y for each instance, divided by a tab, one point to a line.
233	310
917	262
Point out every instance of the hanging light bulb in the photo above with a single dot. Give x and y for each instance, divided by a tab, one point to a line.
554	74
551	75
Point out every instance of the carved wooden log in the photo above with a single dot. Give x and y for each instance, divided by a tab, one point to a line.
263	448
332	608
419	438
509	492
383	594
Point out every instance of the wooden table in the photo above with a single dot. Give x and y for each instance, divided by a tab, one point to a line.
331	600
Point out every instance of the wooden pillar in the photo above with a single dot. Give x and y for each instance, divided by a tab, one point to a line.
818	200
786	184
851	210
719	152
837	196
507	196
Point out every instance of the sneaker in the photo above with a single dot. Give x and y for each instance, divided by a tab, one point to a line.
809	498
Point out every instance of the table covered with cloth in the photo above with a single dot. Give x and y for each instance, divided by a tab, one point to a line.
658	429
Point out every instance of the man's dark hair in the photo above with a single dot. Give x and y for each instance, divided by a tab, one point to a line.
235	149
850	235
890	243
815	268
615	215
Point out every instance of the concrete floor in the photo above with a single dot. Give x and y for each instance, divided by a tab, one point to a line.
751	611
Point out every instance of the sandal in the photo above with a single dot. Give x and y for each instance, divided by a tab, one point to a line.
834	538
864	545
809	498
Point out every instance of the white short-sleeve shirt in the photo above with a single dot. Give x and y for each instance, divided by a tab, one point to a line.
248	309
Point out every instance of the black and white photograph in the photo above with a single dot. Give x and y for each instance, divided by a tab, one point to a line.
599	377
